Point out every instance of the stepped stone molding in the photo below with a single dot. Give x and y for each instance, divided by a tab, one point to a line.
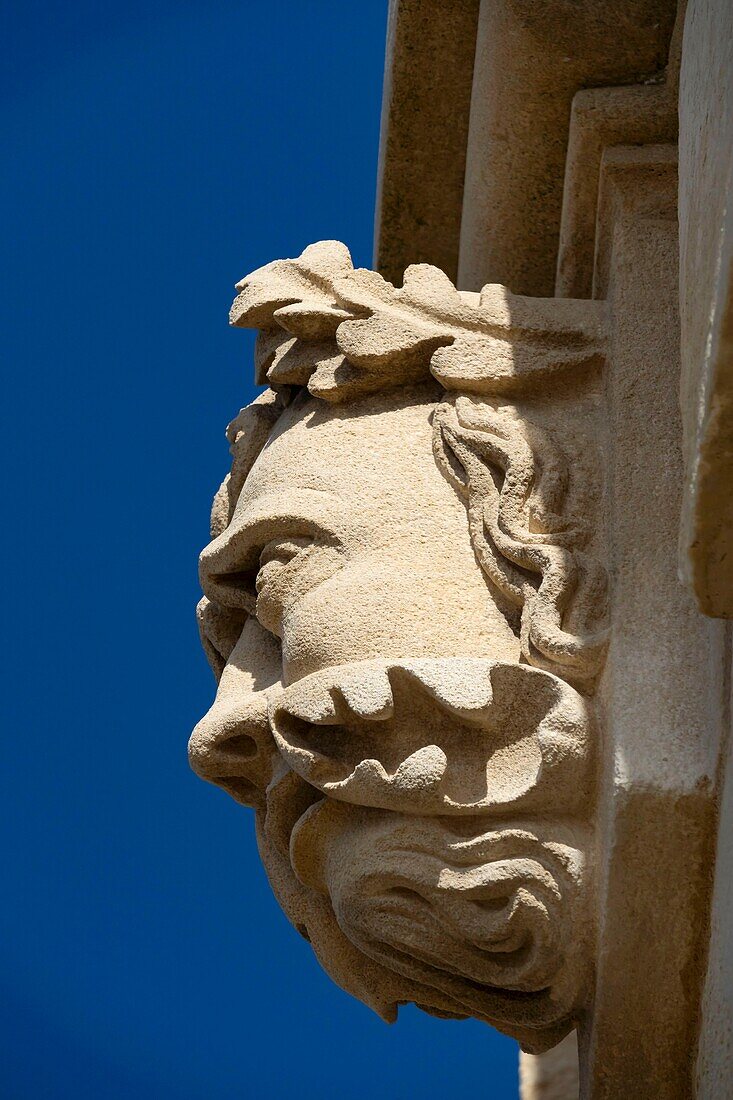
405	605
600	119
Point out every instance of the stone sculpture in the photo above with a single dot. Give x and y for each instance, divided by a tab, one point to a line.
405	604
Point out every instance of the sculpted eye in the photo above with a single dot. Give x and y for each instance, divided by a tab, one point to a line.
242	585
235	589
277	554
261	568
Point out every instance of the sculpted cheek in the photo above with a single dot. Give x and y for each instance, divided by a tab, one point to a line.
404	600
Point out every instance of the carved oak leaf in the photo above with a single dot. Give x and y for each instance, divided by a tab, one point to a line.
305	284
490	343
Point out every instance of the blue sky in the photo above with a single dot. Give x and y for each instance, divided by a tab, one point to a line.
158	152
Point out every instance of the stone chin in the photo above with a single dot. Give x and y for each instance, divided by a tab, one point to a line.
461	920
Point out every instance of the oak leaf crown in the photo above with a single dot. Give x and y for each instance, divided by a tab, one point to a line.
341	330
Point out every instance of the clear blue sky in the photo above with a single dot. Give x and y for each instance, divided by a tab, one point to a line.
157	152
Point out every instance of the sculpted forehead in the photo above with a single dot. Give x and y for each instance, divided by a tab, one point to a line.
330	458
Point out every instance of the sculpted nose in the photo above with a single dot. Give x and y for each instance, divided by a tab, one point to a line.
218	746
232	747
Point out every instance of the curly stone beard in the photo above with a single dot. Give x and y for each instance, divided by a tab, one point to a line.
431	900
458	918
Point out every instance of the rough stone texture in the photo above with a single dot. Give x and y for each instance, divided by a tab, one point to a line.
427	93
406	603
706	535
663	692
706	297
714	1071
530	61
552	1075
600	119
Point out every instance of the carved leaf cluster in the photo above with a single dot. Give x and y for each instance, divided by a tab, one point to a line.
491	343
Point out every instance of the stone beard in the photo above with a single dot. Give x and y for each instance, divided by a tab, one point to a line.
405	610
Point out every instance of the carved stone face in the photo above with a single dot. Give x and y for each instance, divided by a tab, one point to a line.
385	573
354	545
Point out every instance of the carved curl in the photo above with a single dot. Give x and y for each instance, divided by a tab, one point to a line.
526	537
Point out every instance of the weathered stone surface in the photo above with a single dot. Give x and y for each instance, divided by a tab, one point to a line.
706	302
552	1075
430	46
661	700
406	603
530	61
706	392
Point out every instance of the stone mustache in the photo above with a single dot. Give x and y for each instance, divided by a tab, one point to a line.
405	605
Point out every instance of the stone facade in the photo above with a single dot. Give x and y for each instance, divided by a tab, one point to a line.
479	718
